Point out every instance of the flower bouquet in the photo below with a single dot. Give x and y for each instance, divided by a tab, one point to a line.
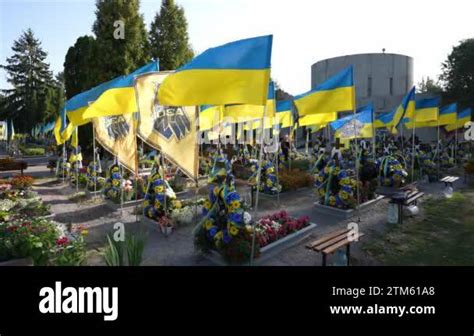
94	181
427	166
185	214
112	184
222	227
336	187
268	179
391	172
128	191
22	182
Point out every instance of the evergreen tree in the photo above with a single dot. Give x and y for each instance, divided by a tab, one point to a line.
80	66
169	39
57	97
119	52
29	75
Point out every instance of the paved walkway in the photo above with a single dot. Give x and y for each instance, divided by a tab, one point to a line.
178	249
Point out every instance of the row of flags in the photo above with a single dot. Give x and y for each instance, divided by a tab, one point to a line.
42	129
224	85
7	130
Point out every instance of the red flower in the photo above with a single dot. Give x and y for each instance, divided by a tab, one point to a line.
62	241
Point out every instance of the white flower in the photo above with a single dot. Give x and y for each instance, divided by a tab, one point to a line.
247	218
6	205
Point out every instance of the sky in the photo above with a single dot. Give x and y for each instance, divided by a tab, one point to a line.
305	31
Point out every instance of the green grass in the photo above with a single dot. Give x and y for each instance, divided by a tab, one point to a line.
444	237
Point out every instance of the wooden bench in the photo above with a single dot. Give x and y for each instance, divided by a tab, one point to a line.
332	242
14	165
449	180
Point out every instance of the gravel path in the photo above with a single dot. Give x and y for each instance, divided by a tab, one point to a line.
178	249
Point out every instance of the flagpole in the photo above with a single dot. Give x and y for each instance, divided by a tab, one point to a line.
374	147
277	153
77	162
356	164
456	147
95	161
403	140
64	161
413	152
307	141
259	173
121	187
438	153
164	177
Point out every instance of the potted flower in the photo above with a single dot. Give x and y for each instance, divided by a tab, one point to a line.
166	225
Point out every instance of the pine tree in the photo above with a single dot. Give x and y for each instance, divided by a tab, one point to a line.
169	39
118	56
28	73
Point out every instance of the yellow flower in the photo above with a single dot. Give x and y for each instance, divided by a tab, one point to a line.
332	200
146	203
208	224
322	192
216	191
249	228
207	204
84	232
219	235
177	204
233	230
159	189
235	205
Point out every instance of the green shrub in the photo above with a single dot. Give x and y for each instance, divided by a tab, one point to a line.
33	151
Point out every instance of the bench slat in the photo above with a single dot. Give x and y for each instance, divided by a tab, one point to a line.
331	242
342	243
414	198
326	238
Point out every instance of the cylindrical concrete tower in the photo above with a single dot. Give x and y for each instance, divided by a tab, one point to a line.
383	79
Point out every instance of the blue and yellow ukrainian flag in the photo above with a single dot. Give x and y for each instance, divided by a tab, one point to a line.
337	94
383	120
210	116
359	125
426	113
284	114
462	118
405	110
117	97
235	73
245	112
448	114
75	138
317	119
57	131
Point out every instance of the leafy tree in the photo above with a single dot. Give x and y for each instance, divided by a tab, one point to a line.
29	100
458	73
80	68
119	54
169	39
281	94
428	85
